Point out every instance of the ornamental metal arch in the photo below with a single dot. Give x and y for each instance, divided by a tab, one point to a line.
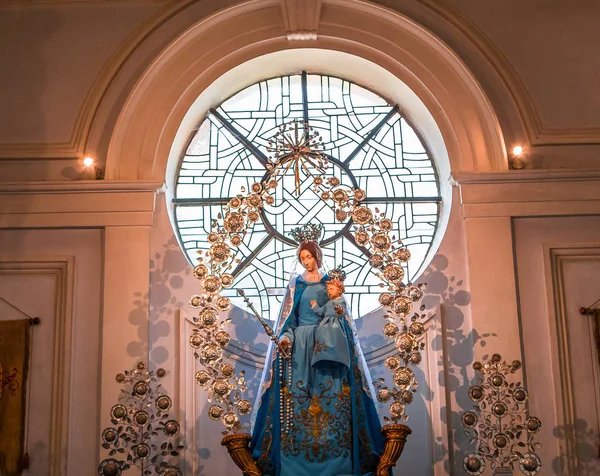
369	144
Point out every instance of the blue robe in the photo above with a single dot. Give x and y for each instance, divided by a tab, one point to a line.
324	421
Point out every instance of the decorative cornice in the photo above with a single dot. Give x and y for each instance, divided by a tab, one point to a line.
79	186
301	18
521	176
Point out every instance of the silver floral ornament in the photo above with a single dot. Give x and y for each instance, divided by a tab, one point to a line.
170	471
234	222
385	299
254	200
211	284
403	254
223	338
393	273
359	195
520	395
118	412
361	237
227	280
196	301
415	358
110	467
140	388
417	328
172	428
376	260
381	242
223	303
200	271
401	306
473	464
405	342
212	353
227	370
476	393
533	425
499	409
235	240
500	441
230	419
244	407
530	464
393	362
196	341
221	387
256	187
202	377
397	409
219	252
215	412
362	215
390	330
415	293
109	435
141	417
208	317
163	403
407	397
384	395
468	419
253	217
141	451
403	376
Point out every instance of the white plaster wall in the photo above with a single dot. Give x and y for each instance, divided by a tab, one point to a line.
65	405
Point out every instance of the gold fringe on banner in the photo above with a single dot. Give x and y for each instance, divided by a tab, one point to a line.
14	360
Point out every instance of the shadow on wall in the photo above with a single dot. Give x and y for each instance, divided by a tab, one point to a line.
586	455
167	272
456	341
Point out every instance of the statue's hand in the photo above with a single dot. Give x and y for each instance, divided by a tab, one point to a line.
313	303
285	344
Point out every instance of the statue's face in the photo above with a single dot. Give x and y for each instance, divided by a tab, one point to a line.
308	261
333	291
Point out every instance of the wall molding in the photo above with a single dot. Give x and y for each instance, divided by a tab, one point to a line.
529	193
555	260
62	268
96	203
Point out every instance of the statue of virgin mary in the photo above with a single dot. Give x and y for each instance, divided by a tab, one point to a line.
315	412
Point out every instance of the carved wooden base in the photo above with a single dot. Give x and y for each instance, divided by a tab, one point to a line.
237	446
395	437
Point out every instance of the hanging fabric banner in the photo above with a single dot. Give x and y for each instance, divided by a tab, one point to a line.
14	359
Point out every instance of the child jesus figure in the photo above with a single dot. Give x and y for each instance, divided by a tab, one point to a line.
331	341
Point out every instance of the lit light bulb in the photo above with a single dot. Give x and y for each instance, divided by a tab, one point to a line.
518	150
88	161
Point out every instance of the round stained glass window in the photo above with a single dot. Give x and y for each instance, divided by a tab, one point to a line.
370	145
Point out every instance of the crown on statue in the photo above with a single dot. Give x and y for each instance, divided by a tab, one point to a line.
305	233
337	274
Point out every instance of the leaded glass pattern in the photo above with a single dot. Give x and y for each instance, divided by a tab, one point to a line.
370	145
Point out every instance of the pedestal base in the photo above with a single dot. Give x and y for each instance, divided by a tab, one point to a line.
395	438
237	446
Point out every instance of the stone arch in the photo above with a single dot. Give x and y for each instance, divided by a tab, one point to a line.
148	124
